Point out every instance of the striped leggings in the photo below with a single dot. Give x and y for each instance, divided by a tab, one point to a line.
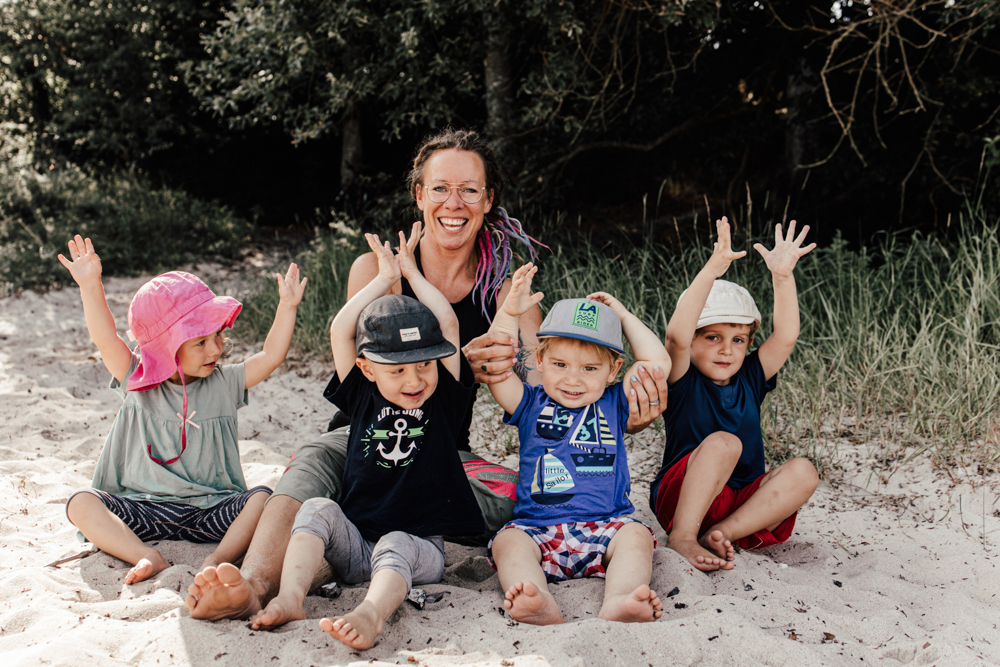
175	521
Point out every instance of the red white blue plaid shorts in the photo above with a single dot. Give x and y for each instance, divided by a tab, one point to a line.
572	550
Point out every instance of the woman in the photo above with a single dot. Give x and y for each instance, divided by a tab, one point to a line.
465	252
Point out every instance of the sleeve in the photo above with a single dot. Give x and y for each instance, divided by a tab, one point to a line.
754	373
235	379
454	395
120	387
527	399
682	386
353	392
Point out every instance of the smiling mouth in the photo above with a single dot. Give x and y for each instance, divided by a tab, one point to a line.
453	224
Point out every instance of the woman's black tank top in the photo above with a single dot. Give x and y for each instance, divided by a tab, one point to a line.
472	323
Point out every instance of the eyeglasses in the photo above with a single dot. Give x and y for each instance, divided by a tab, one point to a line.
440	191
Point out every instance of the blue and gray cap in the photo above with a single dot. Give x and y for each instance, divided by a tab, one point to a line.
584	319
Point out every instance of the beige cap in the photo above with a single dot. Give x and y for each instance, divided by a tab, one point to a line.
727	303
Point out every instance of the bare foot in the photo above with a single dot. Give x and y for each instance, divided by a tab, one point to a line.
278	612
221	592
359	629
717	543
640	606
699	556
527	604
146	568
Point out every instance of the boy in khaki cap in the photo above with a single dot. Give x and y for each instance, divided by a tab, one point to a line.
712	492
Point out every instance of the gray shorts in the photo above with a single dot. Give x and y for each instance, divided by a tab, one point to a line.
317	469
420	560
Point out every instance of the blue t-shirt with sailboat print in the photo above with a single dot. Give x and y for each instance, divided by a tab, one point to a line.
573	463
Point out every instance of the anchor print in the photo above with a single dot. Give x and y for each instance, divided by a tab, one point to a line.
397	454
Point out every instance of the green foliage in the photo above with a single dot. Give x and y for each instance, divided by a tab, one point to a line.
98	81
327	264
135	228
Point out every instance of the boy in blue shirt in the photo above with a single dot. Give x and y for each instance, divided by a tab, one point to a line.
711	492
571	517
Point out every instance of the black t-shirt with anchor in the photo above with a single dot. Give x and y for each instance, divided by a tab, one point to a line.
403	471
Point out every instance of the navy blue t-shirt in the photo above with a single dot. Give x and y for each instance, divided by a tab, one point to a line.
403	471
697	407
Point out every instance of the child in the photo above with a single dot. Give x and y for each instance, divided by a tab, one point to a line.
711	492
167	472
403	485
570	520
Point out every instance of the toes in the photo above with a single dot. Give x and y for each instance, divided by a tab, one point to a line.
227	574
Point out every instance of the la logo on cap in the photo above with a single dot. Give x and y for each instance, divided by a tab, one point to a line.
585	315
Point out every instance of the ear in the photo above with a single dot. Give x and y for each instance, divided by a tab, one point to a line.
419	197
489	202
366	368
615	367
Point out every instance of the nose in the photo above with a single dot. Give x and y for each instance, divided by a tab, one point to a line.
727	347
454	200
410	376
216	345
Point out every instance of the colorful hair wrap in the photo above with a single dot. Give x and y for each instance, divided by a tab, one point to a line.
495	253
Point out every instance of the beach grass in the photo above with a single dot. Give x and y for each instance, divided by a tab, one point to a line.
899	347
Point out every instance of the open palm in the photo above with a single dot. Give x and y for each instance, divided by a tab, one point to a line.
388	264
787	250
86	265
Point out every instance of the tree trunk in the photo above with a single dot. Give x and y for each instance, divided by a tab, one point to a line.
499	81
350	149
801	83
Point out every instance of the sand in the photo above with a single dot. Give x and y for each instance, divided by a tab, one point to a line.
890	563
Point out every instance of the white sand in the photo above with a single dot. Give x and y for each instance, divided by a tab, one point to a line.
875	572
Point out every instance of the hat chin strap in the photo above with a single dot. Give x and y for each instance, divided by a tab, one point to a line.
184	421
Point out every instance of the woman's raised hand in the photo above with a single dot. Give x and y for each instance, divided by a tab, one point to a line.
407	262
86	265
388	264
520	299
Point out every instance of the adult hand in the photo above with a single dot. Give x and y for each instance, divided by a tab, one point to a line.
492	356
649	399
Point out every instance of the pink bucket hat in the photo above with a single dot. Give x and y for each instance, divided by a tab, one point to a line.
167	311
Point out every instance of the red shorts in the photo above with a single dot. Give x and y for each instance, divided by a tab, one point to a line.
727	502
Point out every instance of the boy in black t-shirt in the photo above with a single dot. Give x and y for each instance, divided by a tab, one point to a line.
398	363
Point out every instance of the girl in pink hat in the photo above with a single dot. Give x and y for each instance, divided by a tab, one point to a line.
170	469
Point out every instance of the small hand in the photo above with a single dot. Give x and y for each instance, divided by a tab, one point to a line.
723	254
610	301
520	299
86	265
781	261
388	263
290	288
407	262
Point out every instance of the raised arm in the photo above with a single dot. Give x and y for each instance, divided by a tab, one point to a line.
781	263
262	364
649	355
86	271
431	297
344	325
509	391
684	322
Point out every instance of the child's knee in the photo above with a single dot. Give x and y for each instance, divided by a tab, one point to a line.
721	446
81	505
804	472
633	536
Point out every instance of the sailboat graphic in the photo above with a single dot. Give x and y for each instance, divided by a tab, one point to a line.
591	435
552	481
